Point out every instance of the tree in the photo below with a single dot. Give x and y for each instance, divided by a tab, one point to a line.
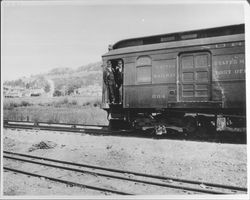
47	88
57	93
71	89
27	86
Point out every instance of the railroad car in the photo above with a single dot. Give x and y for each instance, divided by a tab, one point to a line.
189	79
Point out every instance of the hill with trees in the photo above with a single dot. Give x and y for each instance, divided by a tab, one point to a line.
60	80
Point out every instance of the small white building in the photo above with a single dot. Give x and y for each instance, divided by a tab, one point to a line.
12	92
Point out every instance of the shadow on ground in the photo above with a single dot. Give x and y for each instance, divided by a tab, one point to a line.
199	135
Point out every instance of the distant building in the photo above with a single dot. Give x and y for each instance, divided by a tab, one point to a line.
26	93
12	92
5	90
37	92
16	92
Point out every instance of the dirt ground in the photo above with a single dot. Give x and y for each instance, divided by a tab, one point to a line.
202	161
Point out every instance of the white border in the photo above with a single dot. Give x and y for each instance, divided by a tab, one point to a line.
134	2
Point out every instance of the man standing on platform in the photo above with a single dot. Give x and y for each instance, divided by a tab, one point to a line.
118	81
109	80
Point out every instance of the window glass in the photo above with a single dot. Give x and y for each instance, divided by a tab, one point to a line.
143	74
201	60
187	62
144	70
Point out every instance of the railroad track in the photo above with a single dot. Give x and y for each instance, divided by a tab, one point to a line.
105	130
78	128
112	180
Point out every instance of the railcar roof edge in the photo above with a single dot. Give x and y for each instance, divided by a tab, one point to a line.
177	36
176	44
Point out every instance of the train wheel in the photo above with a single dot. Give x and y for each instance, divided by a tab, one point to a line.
118	124
113	125
190	125
206	126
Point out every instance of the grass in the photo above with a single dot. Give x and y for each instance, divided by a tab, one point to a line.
51	100
59	110
11	105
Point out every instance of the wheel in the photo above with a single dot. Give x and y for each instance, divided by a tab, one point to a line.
190	125
206	126
117	124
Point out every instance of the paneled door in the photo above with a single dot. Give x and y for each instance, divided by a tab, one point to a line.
195	77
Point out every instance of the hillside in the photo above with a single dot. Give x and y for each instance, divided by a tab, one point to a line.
63	80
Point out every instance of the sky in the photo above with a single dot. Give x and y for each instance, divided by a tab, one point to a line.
37	36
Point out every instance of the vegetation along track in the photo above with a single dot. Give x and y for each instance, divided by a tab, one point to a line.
148	180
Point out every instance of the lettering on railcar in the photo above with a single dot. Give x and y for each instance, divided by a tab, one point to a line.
233	44
229	67
220	45
163	75
158	96
166	66
229	60
228	72
164	71
223	72
239	71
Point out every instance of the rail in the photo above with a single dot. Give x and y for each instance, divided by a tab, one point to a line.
156	180
78	128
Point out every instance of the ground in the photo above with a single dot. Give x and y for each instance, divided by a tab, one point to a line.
202	161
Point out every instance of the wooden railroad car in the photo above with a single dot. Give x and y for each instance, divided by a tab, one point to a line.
185	73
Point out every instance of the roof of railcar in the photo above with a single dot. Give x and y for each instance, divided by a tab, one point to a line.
180	36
